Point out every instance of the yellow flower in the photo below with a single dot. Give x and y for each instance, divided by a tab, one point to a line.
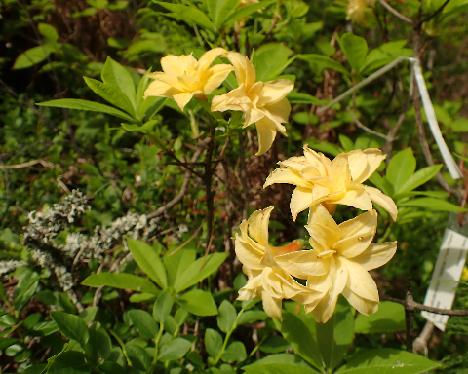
247	2
184	77
357	10
339	262
265	278
263	103
319	180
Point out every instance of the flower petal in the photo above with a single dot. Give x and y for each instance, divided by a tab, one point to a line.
207	59
233	100
274	91
278	112
218	74
383	200
271	305
359	281
177	65
358	198
258	225
362	305
362	163
266	133
323	230
244	69
356	234
158	88
285	175
302	264
301	199
376	256
182	99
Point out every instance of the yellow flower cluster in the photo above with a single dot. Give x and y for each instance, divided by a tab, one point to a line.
342	254
263	103
357	10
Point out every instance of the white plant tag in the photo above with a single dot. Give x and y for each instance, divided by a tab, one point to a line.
447	272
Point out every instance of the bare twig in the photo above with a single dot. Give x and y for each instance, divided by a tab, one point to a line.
421	307
433	15
28	164
395	12
420	343
370	131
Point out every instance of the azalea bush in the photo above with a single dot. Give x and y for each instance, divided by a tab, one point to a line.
148	229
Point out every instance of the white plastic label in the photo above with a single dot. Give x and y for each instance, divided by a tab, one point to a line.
446	276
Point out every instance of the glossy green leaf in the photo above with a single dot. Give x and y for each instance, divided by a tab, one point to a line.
176	263
174	349
88	105
433	204
99	343
279	364
270	60
390	317
48	31
121	280
149	261
420	177
319	63
301	333
355	49
400	168
199	303
220	10
187	13
72	327
70	362
144	323
111	94
199	270
116	75
251	316
246	11
226	316
213	342
387	361
27	286
235	351
162	306
34	56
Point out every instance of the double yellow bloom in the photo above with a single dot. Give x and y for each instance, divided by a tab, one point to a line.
341	255
263	103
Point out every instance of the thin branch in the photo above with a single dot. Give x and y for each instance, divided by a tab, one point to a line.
395	12
370	131
28	164
433	15
208	178
412	305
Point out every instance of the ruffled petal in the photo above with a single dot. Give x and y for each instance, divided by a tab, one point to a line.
356	234
182	99
358	198
274	91
266	133
233	100
244	69
362	305
359	281
178	65
302	264
376	255
323	230
301	199
158	88
286	175
362	163
218	74
207	59
258	225
382	200
271	306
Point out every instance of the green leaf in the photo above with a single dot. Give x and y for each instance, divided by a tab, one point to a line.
419	178
270	60
99	343
251	316
144	323
174	349
279	364
116	75
387	361
335	336
149	261
34	56
111	94
226	316
433	204
301	333
460	125
48	31
140	358
389	318
213	342
176	263
400	168
121	280
318	63
385	54
234	352
88	105
70	362
27	286
199	270
355	49
221	10
199	303
188	14
72	327
303	98
162	306
246	11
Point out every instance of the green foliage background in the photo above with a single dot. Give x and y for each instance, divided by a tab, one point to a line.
158	306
